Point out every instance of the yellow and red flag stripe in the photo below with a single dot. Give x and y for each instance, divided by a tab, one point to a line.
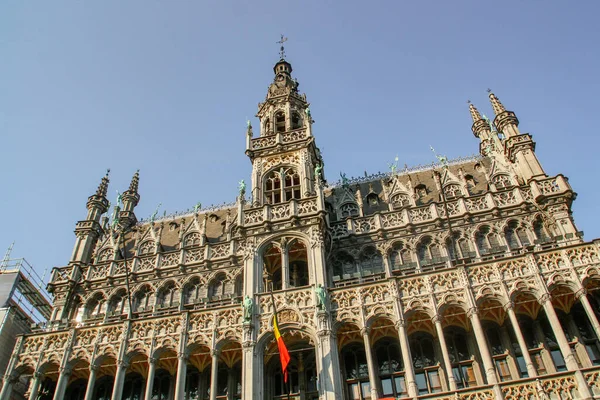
284	355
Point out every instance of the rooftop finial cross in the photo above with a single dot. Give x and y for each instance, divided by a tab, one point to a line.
281	49
489	90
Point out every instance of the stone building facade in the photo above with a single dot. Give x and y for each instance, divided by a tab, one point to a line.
465	279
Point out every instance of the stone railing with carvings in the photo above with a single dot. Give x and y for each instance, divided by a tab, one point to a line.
550	186
275	212
264	142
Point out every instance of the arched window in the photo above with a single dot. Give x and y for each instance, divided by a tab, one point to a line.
103	389
268	129
282	185
95	307
516	236
105	255
499	352
344	267
296	120
452	191
197	384
167	296
75	391
534	346
488	241
349	210
585	333
470	183
502	181
192	291
280	122
162	385
147	248
390	369
298	264
427	375
401	257
539	230
142	300
356	371
216	288
193	239
371	262
116	305
429	252
272	273
133	388
400	200
460	357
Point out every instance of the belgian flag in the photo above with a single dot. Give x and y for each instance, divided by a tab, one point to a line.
284	355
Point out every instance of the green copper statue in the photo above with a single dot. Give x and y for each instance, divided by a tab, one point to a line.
155	213
242	188
394	166
248	305
489	122
197	207
307	111
321	297
318	169
345	180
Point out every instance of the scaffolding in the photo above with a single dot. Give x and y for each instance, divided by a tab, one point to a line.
22	290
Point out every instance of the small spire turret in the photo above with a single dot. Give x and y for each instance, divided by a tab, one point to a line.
135	182
506	121
103	187
496	104
479	124
131	198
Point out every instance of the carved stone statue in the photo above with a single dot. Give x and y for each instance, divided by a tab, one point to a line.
321	297
248	305
318	169
119	199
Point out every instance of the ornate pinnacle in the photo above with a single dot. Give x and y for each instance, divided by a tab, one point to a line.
103	187
474	113
496	105
135	182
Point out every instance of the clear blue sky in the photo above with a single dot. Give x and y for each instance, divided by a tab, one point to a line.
166	87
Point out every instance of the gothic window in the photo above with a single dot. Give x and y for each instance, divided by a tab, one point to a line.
272	268
470	183
282	185
371	262
133	387
356	371
162	385
459	248
193	239
296	121
267	127
216	288
499	351
142	300
95	307
192	291
488	241
452	191
534	346
103	390
460	357
76	309
75	391
552	343
502	181
390	369
373	199
400	200
424	362
400	257
280	122
344	266
429	252
539	230
167	296
146	248
298	264
516	236
585	333
116	305
349	210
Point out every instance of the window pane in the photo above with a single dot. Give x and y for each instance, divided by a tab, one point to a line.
593	352
366	390
502	368
539	363
386	386
400	385
421	381
434	381
353	391
522	367
559	361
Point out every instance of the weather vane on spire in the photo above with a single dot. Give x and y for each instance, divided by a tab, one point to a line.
282	49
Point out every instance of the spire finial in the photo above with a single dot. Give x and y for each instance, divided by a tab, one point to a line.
496	105
103	187
135	182
282	49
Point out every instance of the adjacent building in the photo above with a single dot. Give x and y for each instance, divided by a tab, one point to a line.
464	279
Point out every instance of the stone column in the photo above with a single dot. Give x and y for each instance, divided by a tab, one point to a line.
61	385
409	372
119	380
370	363
214	370
531	371
89	390
248	375
447	364
181	374
486	356
585	302
285	268
565	349
150	379
328	363
35	385
7	387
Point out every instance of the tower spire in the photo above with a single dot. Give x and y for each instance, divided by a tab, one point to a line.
474	112
103	187
135	182
131	198
480	125
496	104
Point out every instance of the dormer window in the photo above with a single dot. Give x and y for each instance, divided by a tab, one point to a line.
282	186
349	210
280	122
451	191
400	200
502	181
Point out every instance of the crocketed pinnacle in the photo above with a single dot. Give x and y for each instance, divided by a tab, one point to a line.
496	105
474	113
135	182
103	187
